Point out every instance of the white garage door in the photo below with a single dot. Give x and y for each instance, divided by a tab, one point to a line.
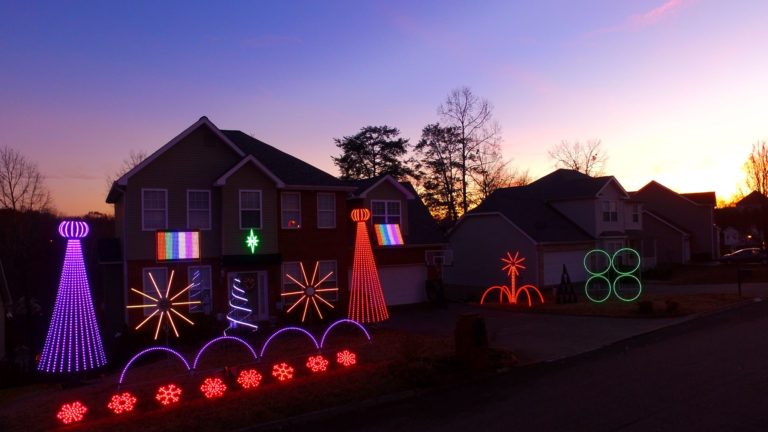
403	284
553	266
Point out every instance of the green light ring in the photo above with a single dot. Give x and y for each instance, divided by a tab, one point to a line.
639	287
613	261
610	262
586	288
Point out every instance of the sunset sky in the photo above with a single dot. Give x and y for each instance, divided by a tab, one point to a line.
676	90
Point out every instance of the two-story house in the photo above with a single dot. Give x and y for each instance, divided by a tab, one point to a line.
218	208
553	222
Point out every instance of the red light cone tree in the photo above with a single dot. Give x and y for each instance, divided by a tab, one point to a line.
366	299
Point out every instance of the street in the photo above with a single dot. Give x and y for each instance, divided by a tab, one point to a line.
706	374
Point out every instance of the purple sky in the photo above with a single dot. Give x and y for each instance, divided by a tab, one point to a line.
677	90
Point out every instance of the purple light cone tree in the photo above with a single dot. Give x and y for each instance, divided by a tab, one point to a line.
73	343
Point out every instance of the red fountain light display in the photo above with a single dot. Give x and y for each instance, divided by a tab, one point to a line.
366	298
512	265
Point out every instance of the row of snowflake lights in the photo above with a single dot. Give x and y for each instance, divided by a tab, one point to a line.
366	298
73	343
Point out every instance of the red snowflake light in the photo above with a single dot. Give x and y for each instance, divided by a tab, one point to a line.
249	378
72	412
169	394
121	403
346	358
213	388
282	371
317	363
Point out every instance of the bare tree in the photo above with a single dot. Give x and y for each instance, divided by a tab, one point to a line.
588	158
756	168
492	172
134	158
473	119
22	187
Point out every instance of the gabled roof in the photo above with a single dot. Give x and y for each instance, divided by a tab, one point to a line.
696	198
667	222
289	169
526	207
423	229
363	186
565	184
754	199
704	198
221	181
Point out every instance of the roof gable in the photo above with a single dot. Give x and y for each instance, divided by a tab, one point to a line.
221	181
364	186
698	199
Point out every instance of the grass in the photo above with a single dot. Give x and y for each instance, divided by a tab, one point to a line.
392	363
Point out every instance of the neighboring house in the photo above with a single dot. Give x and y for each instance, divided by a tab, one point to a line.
754	201
682	226
224	184
731	238
745	223
553	222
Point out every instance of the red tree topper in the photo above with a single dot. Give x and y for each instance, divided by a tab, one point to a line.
72	412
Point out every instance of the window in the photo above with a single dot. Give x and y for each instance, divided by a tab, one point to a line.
635	213
610	213
154	209
290	203
326	210
200	279
293	269
198	209
385	212
160	276
250	209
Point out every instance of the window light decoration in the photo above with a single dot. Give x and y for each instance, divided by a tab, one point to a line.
366	299
252	241
388	234
178	245
213	388
346	358
249	378
603	275
317	363
73	343
239	312
72	412
282	371
310	291
512	292
164	306
168	394
122	403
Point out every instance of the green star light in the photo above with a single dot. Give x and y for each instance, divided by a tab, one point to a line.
252	241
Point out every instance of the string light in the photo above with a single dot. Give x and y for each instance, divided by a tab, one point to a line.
164	305
239	312
249	378
168	394
282	371
72	412
310	291
121	403
252	241
149	350
346	358
177	245
601	275
213	388
73	342
343	321
512	293
284	330
317	363
366	299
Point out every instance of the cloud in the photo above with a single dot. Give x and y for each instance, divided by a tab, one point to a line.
270	41
640	21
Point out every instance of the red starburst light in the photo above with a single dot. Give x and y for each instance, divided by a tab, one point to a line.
282	371
317	363
169	394
346	358
121	403
213	388
249	378
72	412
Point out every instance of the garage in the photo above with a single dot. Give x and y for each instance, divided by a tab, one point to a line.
403	284
553	266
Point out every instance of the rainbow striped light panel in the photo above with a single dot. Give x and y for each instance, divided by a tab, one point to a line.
389	235
178	245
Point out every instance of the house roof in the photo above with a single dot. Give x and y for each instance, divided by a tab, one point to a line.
290	170
754	199
705	198
423	229
363	186
570	184
697	198
667	222
526	207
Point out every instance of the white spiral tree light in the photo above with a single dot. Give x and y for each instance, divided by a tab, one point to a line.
73	343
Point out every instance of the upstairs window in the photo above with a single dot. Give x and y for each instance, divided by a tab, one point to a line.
326	210
610	212
199	209
250	209
154	209
635	213
290	204
385	212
